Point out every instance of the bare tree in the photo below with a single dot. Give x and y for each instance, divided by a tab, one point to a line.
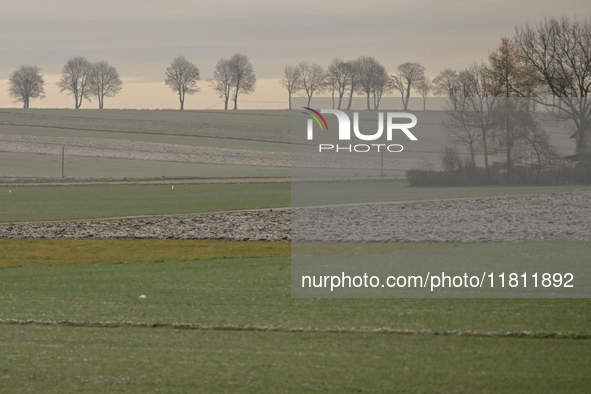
182	77
104	82
371	78
312	79
508	77
407	77
473	91
329	85
75	78
460	127
222	80
243	78
424	87
291	81
354	68
338	78
382	84
26	83
560	56
471	113
542	151
446	84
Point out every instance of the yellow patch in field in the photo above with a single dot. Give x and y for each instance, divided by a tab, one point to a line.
49	252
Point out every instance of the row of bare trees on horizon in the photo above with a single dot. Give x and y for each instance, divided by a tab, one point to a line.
549	59
80	78
85	80
364	76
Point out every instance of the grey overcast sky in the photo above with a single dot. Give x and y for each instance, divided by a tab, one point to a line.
142	37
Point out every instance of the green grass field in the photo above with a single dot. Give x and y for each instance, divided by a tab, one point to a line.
248	130
58	360
27	203
95	169
71	202
218	316
189	140
247	333
253	125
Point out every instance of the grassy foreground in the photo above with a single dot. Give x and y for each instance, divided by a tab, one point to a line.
57	360
254	292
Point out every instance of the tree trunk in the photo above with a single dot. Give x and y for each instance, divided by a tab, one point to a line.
407	97
485	148
340	100
289	100
368	107
236	96
350	99
509	135
509	158
581	138
309	99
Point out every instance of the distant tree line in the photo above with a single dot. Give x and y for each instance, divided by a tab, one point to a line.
85	80
491	106
80	78
231	77
364	76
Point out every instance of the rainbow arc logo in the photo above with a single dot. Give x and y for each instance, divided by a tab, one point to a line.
316	117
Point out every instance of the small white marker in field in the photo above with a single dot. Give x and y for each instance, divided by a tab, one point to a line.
142	296
173	188
9	191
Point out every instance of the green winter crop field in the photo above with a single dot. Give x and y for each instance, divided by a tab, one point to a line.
272	126
30	203
229	325
250	130
92	315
